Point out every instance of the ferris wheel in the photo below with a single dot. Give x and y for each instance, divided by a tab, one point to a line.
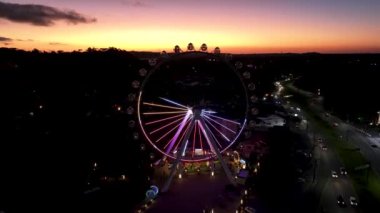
192	106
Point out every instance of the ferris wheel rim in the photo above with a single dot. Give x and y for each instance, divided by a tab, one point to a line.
178	57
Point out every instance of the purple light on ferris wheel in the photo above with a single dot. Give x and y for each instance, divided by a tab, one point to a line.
164	112
164	119
183	135
194	138
175	103
167	134
216	129
224	119
206	136
212	134
207	112
174	139
200	137
163	106
219	124
162	127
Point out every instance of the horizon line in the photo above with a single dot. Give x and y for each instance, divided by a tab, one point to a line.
158	52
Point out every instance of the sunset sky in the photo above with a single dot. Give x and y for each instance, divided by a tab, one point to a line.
237	26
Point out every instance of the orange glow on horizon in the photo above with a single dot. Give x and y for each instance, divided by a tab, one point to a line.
236	27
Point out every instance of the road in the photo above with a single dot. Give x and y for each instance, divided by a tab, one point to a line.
327	160
327	187
357	137
361	140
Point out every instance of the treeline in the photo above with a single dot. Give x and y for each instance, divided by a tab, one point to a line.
59	111
348	82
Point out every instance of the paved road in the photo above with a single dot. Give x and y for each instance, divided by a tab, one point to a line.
328	160
360	139
324	185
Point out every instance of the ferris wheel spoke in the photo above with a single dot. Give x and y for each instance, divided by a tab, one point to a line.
212	134
216	129
189	127
165	112
208	112
167	144
200	138
167	133
194	138
204	132
179	130
183	135
175	103
164	119
163	127
216	122
224	119
163	106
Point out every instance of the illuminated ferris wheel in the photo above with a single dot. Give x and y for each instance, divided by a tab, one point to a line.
192	106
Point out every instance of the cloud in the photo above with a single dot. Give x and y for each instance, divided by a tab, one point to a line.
135	3
40	15
138	4
29	40
5	39
56	43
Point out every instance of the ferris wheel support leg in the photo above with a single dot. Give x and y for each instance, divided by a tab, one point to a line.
165	188
217	152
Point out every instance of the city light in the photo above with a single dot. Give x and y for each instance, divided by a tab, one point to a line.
151	114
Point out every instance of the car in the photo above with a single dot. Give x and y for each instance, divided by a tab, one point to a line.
249	209
308	154
353	201
374	145
334	174
301	180
340	201
324	147
335	124
343	171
